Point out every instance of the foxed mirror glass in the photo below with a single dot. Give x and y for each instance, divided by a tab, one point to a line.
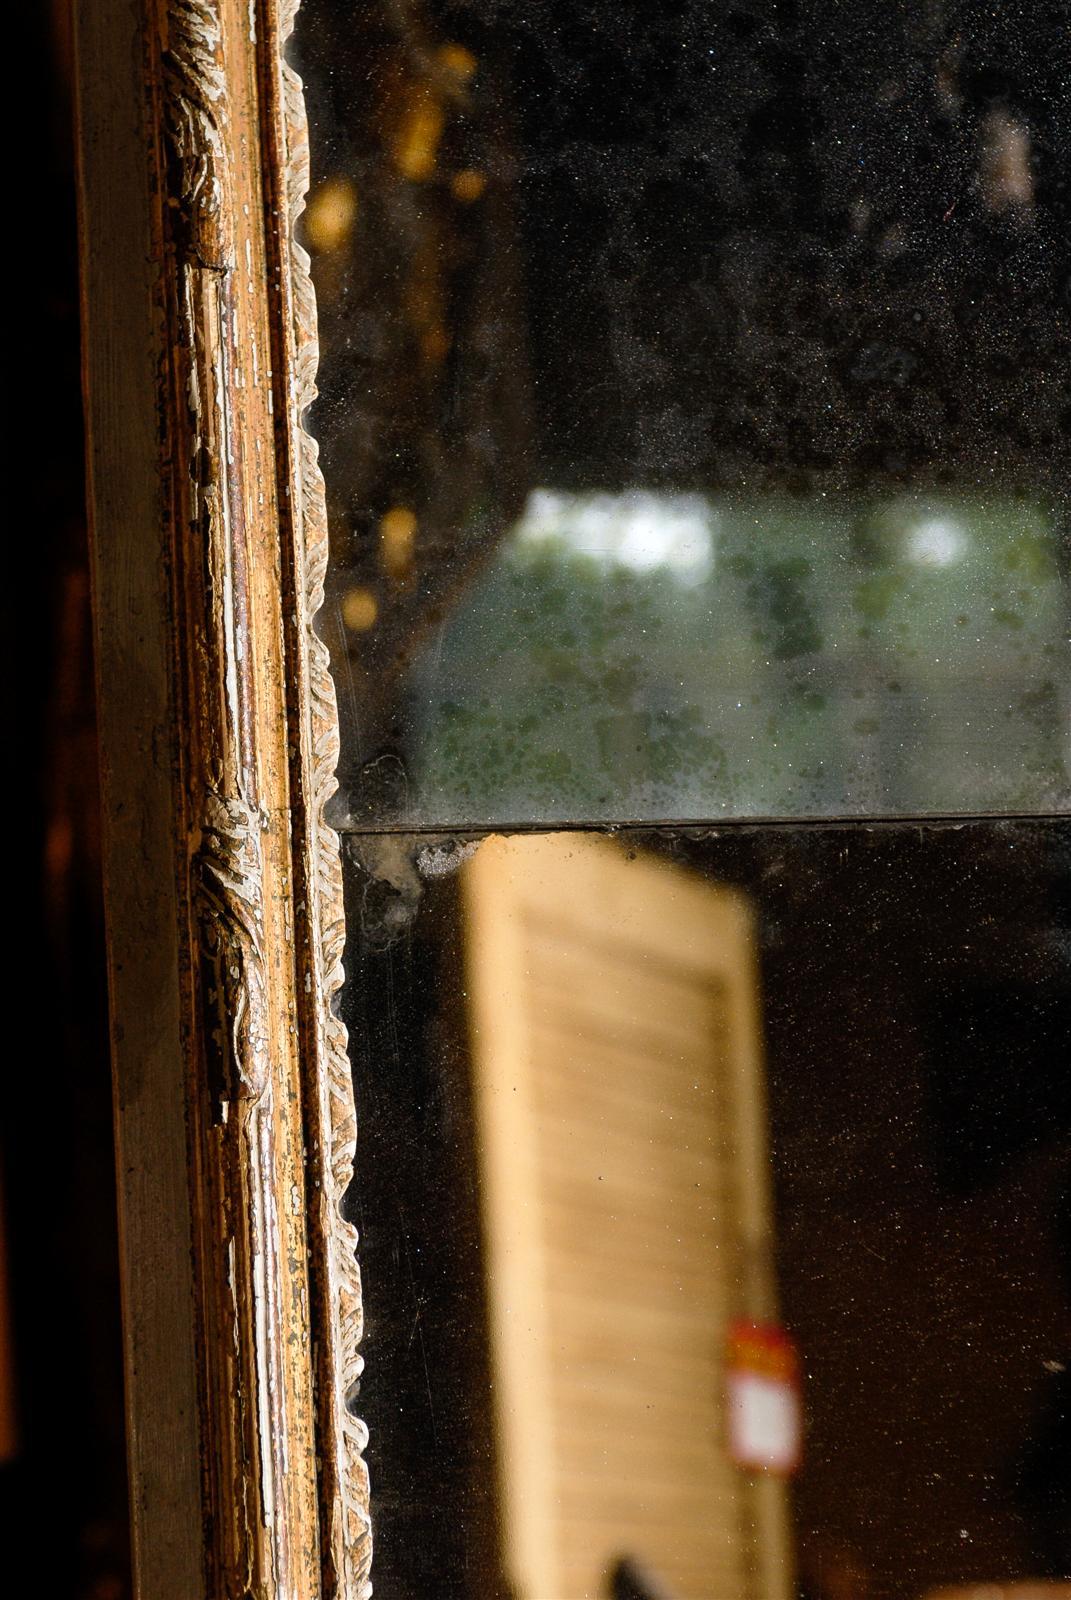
694	399
694	406
714	1191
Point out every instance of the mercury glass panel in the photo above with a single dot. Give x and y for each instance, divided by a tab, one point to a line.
714	1191
693	418
694	406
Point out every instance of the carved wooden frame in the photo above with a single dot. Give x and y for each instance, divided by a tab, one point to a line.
234	1110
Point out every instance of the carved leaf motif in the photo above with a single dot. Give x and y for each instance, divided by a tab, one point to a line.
347	1539
229	888
195	114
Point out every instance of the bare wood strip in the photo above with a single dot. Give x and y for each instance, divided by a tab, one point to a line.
122	333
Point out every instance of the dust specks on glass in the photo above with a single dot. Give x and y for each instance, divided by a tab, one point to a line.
694	408
694	416
715	1203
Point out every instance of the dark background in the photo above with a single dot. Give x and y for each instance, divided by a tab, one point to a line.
63	1516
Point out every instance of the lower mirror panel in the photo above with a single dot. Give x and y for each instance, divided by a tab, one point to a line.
713	1191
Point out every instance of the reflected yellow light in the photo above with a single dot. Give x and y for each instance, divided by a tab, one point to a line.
456	59
420	131
331	214
468	186
397	536
359	610
417	143
435	344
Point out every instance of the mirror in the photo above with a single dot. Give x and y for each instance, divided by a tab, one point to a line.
693	387
690	415
714	1199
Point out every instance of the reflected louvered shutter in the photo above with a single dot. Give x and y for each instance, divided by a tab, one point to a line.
624	1183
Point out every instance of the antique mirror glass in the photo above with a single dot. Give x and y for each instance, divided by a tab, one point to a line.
694	409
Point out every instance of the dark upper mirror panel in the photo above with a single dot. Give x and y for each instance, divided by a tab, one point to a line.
715	1206
694	406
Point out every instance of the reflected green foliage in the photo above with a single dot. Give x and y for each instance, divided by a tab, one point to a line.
781	657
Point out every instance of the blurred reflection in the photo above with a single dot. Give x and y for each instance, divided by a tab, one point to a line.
673	1142
694	397
653	654
626	1222
424	419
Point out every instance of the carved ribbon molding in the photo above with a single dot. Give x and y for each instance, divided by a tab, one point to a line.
346	1531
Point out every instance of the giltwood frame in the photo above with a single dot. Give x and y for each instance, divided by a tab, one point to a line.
233	1101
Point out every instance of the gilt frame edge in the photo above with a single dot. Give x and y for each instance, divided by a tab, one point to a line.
233	1098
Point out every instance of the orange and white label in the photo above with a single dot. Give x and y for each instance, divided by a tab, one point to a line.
762	1373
